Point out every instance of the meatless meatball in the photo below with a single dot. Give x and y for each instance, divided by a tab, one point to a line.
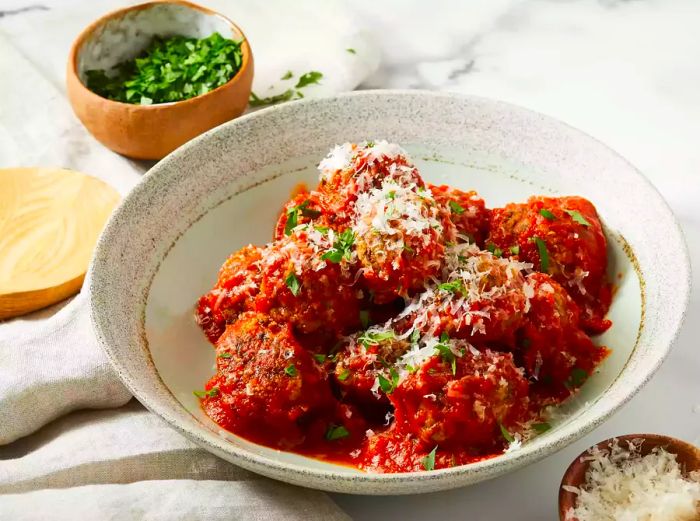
266	386
398	238
563	237
481	299
466	210
463	400
555	352
351	169
234	292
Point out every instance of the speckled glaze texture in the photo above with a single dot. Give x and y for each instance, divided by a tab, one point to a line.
191	181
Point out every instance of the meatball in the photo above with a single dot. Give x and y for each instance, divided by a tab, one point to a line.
555	352
481	299
563	237
392	451
462	400
351	169
234	292
266	386
301	286
466	210
399	240
359	363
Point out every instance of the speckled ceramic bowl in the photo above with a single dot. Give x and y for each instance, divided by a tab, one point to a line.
165	243
152	131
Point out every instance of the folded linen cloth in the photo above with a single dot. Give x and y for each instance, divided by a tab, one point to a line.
124	463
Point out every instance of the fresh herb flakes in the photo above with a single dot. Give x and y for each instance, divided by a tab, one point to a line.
170	69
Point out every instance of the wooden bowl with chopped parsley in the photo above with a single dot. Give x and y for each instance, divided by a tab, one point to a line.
148	78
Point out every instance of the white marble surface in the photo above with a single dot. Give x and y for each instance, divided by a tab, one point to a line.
627	72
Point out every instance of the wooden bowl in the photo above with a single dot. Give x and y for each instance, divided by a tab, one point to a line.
687	455
152	131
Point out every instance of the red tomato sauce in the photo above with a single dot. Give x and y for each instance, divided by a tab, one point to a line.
397	326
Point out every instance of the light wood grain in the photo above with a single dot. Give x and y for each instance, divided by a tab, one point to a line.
50	220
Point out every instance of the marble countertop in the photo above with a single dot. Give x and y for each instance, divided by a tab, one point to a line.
626	72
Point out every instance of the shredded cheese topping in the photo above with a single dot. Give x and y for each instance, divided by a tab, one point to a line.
623	485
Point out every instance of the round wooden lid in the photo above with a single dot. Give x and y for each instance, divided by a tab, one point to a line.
50	220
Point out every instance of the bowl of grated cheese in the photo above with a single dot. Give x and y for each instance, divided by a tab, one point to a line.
637	477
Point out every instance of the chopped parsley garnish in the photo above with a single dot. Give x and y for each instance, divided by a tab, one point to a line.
336	432
576	216
304	80
515	250
371	338
456	286
225	355
320	358
364	318
293	283
211	393
539	428
443	349
321	229
415	336
428	461
497	252
293	215
342	247
408	249
391	195
547	214
170	69
291	370
494	250
287	75
576	378
344	375
308	78
351	50
506	435
389	384
455	207
544	254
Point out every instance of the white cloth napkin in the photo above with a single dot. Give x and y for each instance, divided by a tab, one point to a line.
125	463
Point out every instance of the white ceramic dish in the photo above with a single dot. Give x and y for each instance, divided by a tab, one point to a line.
165	243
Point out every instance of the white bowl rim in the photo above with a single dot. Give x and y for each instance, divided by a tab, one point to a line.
297	473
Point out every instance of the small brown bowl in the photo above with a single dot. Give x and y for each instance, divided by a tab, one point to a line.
152	131
687	455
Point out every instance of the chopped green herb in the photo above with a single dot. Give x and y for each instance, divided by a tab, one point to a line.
322	229
547	214
388	385
455	207
369	144
336	432
308	78
576	216
408	249
364	318
506	435
576	378
443	349
342	247
391	195
256	101
214	391
290	370
428	461
539	428
351	50
225	355
515	250
497	252
320	358
293	215
415	336
170	69
287	75
544	254
293	283
344	375
490	247
371	338
456	286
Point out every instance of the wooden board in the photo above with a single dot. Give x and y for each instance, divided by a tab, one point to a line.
50	220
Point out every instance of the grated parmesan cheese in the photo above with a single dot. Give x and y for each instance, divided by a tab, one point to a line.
623	485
